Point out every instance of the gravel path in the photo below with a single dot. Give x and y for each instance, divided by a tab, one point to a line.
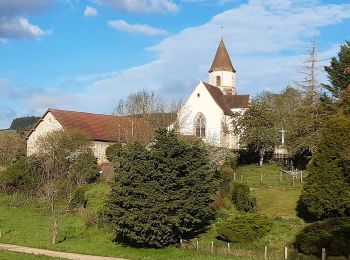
64	255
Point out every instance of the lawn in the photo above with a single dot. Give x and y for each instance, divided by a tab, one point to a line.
26	222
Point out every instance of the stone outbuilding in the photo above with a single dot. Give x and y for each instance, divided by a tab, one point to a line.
103	130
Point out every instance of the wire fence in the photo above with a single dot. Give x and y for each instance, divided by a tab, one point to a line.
210	247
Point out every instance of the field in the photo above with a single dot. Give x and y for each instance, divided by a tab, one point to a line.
5	255
25	221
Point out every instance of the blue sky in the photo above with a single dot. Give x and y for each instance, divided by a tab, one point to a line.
85	55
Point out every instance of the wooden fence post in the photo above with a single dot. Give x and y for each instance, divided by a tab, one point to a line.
234	176
281	177
181	242
323	254
285	252
301	177
228	247
241	176
212	247
265	253
261	177
293	181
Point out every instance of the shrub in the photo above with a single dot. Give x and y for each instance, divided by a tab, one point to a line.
84	169
233	162
112	152
242	228
241	197
78	200
23	175
332	234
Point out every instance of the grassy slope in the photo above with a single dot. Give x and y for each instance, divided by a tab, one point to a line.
29	226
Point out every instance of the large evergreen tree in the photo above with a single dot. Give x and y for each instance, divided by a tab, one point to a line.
162	194
326	192
337	72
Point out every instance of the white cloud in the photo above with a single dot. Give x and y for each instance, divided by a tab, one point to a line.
19	28
12	8
90	11
266	43
124	26
141	6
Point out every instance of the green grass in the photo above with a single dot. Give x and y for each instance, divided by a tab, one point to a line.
273	198
30	226
23	223
8	255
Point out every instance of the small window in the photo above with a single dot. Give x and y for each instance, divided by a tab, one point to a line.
218	81
198	95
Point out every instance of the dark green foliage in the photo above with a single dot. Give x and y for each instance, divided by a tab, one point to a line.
112	152
242	228
78	199
241	197
233	162
326	192
338	77
332	234
84	169
24	175
24	123
162	194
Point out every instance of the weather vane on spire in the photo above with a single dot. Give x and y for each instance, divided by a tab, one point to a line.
222	32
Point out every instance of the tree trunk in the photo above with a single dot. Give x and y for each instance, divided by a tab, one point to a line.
261	153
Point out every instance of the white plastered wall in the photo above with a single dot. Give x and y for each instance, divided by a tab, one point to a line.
99	149
204	104
228	80
48	124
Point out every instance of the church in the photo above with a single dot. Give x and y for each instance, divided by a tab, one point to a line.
206	114
208	110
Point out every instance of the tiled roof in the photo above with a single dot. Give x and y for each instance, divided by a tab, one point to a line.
99	127
227	102
222	61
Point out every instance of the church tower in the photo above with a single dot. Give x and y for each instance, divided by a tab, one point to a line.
222	73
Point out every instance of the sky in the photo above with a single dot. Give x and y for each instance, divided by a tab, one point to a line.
86	55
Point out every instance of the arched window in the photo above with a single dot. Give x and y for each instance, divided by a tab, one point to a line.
200	125
218	81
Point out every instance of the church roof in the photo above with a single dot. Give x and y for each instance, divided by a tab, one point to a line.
222	61
99	127
227	102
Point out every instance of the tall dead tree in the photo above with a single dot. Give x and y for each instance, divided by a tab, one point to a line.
310	85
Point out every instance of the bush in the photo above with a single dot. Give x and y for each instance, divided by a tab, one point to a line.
233	162
112	152
84	169
332	234
241	197
78	200
23	175
243	228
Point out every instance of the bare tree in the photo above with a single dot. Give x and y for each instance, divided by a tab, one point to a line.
57	152
147	105
310	85
12	146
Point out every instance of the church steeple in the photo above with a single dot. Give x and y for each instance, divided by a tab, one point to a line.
222	73
222	61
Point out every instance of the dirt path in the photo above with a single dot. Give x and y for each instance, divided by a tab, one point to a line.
51	253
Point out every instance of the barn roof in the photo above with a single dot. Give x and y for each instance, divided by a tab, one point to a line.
99	127
227	102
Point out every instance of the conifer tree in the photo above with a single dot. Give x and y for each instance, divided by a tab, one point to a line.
326	192
162	194
337	71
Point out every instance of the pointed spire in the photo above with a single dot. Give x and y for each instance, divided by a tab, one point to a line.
222	61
